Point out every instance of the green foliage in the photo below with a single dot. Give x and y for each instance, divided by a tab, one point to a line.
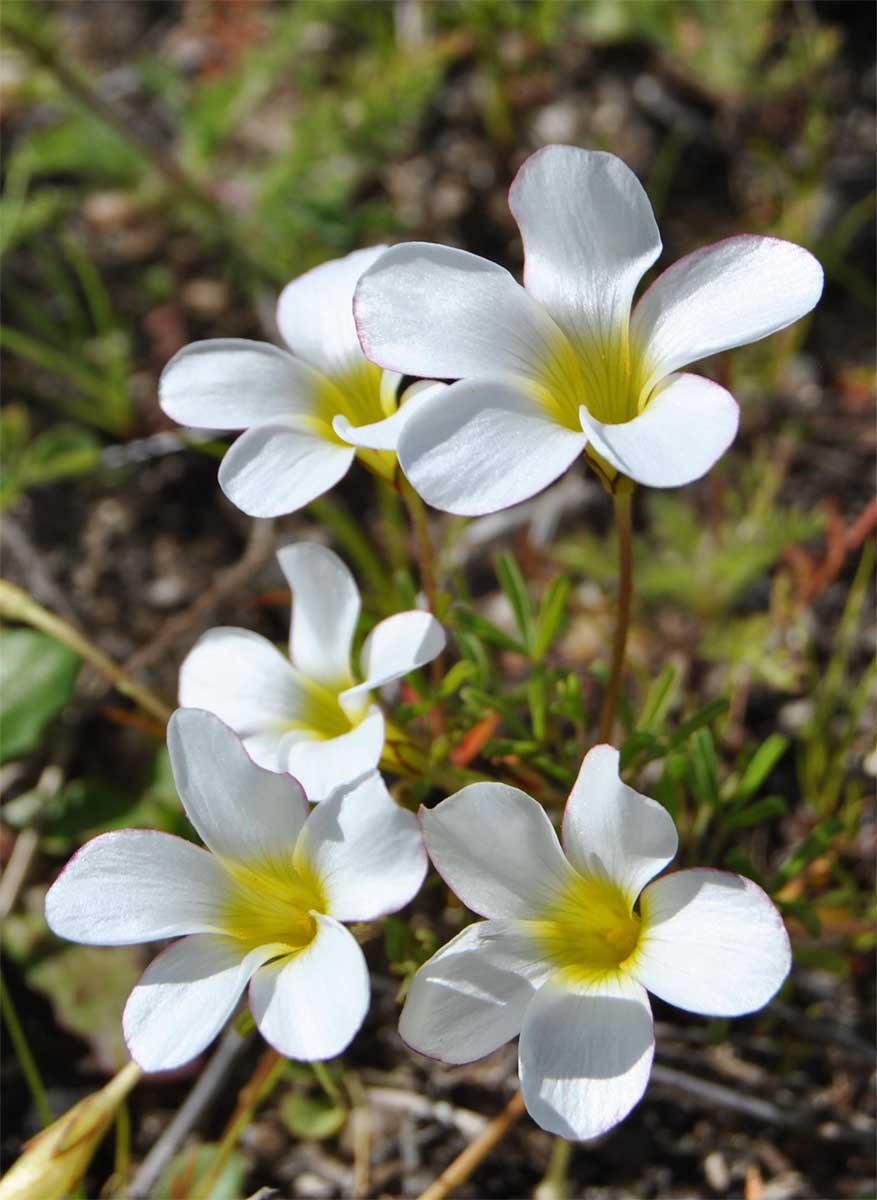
37	677
192	1164
60	452
313	1116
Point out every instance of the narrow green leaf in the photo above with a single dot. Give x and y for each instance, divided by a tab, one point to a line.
761	810
817	842
551	614
705	768
703	716
761	764
513	584
466	618
659	699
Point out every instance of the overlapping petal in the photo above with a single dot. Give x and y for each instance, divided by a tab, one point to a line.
434	311
240	811
184	998
682	432
246	681
712	943
483	445
366	851
589	236
135	885
497	849
725	295
585	1057
612	831
310	1005
470	998
397	645
233	383
325	611
279	468
384	435
321	766
315	312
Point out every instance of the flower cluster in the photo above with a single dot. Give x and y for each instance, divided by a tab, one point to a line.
574	937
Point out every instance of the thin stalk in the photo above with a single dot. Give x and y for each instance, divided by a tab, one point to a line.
269	1070
26	1060
17	605
464	1164
327	1083
622	501
554	1184
425	557
122	1160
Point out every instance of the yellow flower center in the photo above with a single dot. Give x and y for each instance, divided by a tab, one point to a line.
589	932
604	371
271	902
364	394
320	713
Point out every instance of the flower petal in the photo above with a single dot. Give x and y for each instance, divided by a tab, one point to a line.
240	811
725	295
496	848
135	885
323	766
712	943
613	832
232	383
246	681
585	1058
471	996
184	997
367	852
276	469
483	445
311	1005
384	435
395	646
686	428
324	613
434	311
315	312
589	236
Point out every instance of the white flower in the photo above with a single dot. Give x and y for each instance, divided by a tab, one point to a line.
561	364
309	716
565	957
262	905
306	414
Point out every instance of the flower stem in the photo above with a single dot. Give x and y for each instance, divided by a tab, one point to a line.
26	1060
622	501
268	1073
420	525
17	605
464	1164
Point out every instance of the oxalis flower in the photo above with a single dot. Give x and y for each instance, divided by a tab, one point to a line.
307	414
561	365
263	905
308	714
573	941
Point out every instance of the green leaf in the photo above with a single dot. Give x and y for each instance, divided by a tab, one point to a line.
60	452
816	843
181	1178
313	1116
513	584
37	676
14	433
472	622
703	716
761	764
705	768
761	810
658	701
551	614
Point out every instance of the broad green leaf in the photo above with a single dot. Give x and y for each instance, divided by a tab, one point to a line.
313	1116
37	676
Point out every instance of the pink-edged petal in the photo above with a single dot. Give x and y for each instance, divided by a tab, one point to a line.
232	383
325	610
611	831
367	852
136	885
184	998
712	942
585	1057
483	445
589	236
315	312
240	811
384	435
310	1006
496	848
725	295
323	766
434	311
272	470
395	646
471	996
246	681
682	432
